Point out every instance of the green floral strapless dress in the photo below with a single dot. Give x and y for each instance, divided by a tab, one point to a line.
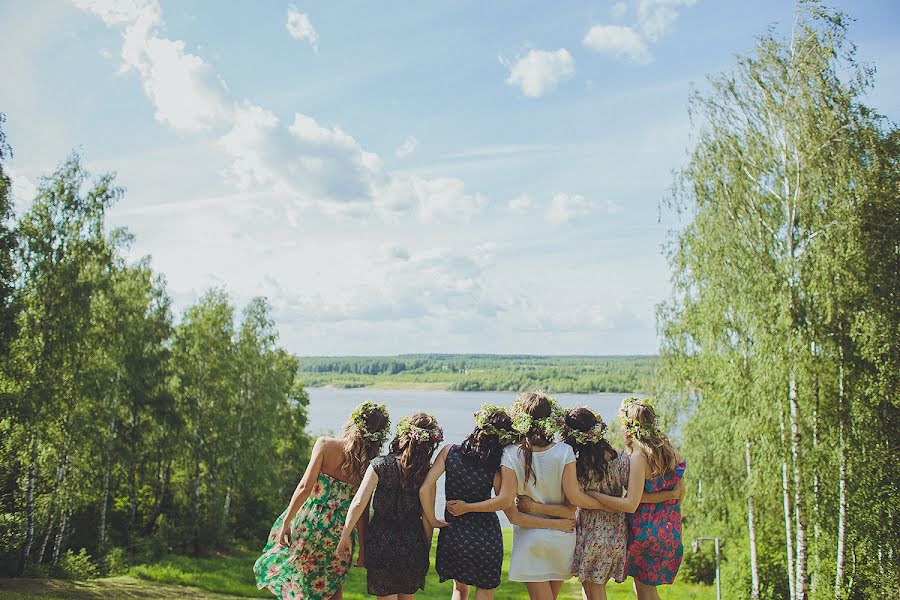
309	568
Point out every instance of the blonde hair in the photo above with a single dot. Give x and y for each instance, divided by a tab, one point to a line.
653	444
358	449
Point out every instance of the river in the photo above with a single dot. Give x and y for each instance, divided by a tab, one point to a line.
329	408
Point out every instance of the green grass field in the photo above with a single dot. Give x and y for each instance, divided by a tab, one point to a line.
231	576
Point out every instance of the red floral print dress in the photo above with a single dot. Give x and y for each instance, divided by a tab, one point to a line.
654	534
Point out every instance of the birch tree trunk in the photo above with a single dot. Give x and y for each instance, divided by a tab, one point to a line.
842	473
802	587
29	508
751	528
785	493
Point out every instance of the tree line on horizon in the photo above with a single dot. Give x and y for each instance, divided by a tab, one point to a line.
485	372
123	434
780	342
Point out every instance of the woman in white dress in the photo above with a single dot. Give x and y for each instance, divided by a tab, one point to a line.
545	471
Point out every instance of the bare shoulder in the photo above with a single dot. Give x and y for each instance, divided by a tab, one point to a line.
329	445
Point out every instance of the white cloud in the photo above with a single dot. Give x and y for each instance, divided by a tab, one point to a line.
105	53
314	162
656	17
408	146
619	41
520	204
564	208
185	91
541	71
300	27
122	12
618	10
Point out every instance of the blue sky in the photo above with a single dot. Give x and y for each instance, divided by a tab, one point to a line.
394	177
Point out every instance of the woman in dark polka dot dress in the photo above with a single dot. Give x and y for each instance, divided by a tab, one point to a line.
470	544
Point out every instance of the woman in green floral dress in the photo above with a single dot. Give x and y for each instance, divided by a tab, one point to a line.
300	558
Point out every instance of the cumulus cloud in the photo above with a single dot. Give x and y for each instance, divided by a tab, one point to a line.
185	91
541	71
619	41
564	208
656	17
408	146
520	204
300	27
309	162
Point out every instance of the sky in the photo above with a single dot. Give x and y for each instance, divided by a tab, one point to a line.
446	176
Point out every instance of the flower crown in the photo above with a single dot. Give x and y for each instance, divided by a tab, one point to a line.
591	436
358	418
635	428
482	421
523	422
420	434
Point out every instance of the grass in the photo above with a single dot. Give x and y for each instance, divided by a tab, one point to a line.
222	577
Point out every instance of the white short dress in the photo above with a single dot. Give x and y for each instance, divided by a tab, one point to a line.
541	554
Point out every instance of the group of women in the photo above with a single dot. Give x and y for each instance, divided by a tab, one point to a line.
578	507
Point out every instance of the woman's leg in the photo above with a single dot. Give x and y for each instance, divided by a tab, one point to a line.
593	591
555	586
391	597
540	590
405	596
481	594
645	592
338	595
460	591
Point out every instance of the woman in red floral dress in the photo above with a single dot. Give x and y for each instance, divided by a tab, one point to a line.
654	529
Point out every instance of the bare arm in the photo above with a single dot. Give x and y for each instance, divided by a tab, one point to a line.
561	511
635	490
362	528
358	505
574	494
505	495
676	493
428	490
302	491
521	519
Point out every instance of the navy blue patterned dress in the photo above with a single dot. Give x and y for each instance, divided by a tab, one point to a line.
470	550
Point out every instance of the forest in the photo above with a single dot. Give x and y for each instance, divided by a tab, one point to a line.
780	341
484	372
123	435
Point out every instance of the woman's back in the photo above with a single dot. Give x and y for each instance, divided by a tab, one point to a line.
544	485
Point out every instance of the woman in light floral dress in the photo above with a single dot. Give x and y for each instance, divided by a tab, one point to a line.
601	544
300	559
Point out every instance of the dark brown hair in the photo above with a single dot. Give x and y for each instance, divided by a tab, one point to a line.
486	449
358	451
592	458
538	406
414	456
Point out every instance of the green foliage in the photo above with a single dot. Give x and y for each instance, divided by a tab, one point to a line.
122	432
485	372
75	566
781	337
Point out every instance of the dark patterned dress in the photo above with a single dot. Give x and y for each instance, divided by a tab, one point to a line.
309	569
654	534
396	551
470	550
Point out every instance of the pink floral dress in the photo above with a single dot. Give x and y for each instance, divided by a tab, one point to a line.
654	534
601	538
309	569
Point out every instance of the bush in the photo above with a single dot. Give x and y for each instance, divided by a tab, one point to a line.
75	566
698	567
115	562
